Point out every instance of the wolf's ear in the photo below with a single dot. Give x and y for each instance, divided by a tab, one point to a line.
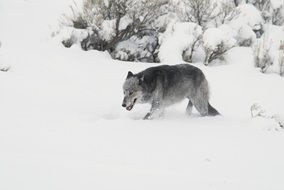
141	80
130	74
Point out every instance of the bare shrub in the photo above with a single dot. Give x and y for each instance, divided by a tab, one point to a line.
263	60
260	4
257	110
188	53
281	59
278	16
4	69
225	14
198	11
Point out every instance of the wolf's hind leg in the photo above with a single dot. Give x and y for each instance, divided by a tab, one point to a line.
189	107
200	100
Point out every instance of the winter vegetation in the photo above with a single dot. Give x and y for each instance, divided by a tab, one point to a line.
125	28
169	30
259	111
216	43
4	69
62	67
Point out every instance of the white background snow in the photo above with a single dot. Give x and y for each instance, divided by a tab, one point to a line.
62	125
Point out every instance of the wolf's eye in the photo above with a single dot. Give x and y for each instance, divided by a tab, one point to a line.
130	93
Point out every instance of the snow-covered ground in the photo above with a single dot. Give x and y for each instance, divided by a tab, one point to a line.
62	125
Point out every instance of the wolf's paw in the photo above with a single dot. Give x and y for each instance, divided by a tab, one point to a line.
148	116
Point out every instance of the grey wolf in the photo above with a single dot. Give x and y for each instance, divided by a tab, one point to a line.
165	85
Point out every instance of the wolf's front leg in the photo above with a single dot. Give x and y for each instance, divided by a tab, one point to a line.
157	110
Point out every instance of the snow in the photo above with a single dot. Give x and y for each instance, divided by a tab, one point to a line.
106	2
245	32
213	37
277	3
247	14
177	38
107	31
67	33
124	22
63	127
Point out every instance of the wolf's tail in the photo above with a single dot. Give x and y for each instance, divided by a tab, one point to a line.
212	111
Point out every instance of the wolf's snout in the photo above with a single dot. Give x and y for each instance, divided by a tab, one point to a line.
123	105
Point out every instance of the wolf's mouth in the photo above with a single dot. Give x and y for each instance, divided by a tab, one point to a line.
131	106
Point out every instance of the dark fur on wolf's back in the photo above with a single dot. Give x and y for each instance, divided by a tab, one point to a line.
165	85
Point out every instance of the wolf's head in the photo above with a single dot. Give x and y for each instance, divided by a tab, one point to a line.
132	90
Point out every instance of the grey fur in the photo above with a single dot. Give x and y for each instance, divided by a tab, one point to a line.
165	85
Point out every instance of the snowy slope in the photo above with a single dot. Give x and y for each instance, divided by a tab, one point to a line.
63	127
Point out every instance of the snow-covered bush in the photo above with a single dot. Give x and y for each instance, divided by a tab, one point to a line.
272	10
268	50
248	16
4	69
137	48
276	12
258	111
216	43
115	21
175	31
246	24
187	54
107	23
245	36
263	60
178	41
70	36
